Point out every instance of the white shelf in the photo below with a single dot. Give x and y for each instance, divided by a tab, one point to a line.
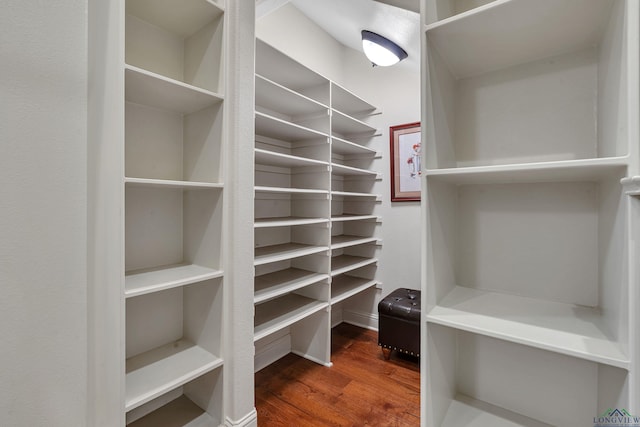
278	98
271	158
569	25
286	222
345	263
146	281
277	314
161	370
280	68
182	18
338	169
284	251
344	147
276	128
468	412
272	285
354	195
343	287
562	328
154	90
569	170
164	183
347	125
344	241
351	217
347	102
179	412
264	189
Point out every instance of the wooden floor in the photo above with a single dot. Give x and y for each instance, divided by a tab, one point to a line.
360	389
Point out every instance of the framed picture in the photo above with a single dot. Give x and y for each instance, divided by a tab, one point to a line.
406	162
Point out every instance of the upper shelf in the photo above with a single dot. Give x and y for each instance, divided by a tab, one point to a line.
273	96
147	88
280	68
338	169
284	252
344	147
182	18
173	184
535	29
347	102
266	157
276	128
562	328
347	125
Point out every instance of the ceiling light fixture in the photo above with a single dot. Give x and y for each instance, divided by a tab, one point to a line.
380	50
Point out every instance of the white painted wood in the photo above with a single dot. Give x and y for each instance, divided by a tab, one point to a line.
278	67
272	285
140	282
344	147
265	157
349	103
350	194
344	263
342	124
276	97
343	241
282	312
344	286
555	171
339	169
164	183
285	251
263	189
465	411
160	370
274	127
549	113
287	221
148	88
569	26
563	328
182	18
180	411
353	217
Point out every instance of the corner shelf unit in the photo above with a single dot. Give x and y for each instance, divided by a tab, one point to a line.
313	205
529	307
173	185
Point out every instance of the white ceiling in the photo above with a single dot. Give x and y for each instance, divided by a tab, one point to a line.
345	19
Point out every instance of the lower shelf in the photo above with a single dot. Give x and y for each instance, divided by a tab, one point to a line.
272	285
277	314
467	412
562	328
141	282
283	252
343	287
179	412
344	263
344	241
159	371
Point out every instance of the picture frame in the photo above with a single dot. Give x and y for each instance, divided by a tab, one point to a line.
406	162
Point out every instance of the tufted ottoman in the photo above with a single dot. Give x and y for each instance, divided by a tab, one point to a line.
399	322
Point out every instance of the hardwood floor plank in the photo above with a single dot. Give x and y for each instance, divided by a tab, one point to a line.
361	389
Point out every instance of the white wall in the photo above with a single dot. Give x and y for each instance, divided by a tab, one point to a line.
396	92
43	213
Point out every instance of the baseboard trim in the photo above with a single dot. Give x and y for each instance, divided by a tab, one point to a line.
249	420
361	319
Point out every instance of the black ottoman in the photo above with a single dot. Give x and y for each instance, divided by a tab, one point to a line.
399	322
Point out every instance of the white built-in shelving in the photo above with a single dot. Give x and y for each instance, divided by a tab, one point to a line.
173	184
526	272
313	204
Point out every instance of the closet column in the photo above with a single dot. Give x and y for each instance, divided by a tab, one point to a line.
238	320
